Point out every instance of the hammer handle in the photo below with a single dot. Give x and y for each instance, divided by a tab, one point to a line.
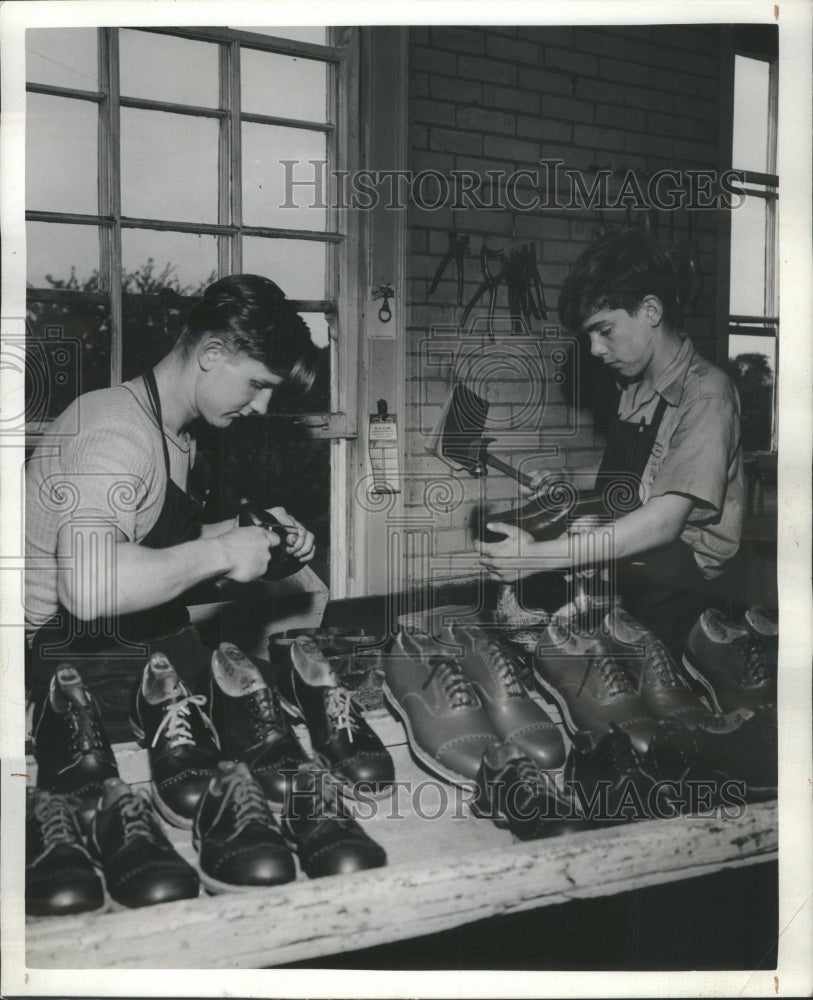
509	470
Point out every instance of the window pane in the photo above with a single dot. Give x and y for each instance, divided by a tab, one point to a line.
283	86
62	57
61	168
297	266
61	256
752	366
748	258
268	185
311	33
165	68
157	262
751	89
168	166
67	353
152	323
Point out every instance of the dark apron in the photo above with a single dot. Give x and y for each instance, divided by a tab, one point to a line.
111	657
663	588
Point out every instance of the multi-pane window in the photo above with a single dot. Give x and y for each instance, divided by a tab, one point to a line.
753	302
159	160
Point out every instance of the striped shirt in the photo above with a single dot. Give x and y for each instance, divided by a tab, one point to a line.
101	461
697	452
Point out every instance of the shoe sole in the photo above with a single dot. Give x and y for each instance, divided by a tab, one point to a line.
346	787
216	887
703	682
429	763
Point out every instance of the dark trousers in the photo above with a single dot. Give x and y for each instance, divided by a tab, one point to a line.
665	590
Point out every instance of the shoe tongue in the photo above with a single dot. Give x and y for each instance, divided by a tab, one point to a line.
311	664
718	629
67	689
161	682
234	673
112	790
226	771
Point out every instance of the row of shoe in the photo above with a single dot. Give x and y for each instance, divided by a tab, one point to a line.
637	728
243	779
459	694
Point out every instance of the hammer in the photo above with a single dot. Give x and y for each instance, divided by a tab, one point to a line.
458	437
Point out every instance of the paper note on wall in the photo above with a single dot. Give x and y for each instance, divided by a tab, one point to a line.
384	453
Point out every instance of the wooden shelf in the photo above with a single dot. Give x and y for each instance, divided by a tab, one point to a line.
446	868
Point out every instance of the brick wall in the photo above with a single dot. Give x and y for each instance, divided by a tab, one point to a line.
501	99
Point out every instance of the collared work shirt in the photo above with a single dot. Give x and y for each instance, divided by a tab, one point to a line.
697	452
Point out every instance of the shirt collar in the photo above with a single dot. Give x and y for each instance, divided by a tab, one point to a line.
670	383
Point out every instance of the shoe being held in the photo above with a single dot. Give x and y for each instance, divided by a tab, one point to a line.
182	742
251	724
447	727
141	867
59	875
236	836
341	738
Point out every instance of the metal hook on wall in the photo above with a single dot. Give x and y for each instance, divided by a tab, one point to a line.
385	292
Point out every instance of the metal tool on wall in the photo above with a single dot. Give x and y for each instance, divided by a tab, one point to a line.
520	273
458	249
458	438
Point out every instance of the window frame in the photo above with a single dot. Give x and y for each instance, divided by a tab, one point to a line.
749	44
341	58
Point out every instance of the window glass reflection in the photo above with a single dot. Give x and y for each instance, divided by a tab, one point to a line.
168	166
268	184
165	68
62	256
157	262
751	90
748	258
62	57
61	168
283	86
297	266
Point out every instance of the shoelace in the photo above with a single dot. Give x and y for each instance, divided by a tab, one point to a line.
177	723
85	733
611	674
659	663
136	818
755	671
325	790
505	670
340	714
56	822
250	804
456	685
265	720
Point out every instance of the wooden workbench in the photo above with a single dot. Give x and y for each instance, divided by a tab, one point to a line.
446	868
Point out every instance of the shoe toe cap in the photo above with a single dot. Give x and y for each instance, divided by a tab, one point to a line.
157	884
344	858
257	865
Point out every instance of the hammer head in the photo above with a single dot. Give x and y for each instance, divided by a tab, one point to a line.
457	437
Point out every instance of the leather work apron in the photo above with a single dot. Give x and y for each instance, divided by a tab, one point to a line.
663	588
110	659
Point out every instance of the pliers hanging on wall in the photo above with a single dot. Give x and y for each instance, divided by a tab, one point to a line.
488	284
458	248
526	297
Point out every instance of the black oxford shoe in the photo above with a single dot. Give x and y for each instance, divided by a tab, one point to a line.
341	738
250	723
141	867
59	874
236	836
182	742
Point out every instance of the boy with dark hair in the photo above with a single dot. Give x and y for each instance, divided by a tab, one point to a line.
676	436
